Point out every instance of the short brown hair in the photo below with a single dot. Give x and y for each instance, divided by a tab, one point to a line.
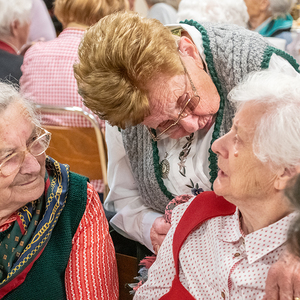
117	58
86	12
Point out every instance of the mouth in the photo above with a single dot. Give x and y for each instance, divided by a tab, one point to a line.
206	122
221	173
28	182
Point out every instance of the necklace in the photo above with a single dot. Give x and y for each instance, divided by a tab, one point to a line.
184	154
164	165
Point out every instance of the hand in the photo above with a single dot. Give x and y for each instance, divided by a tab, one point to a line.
158	232
283	281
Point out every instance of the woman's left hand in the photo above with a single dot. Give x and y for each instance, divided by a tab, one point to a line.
283	281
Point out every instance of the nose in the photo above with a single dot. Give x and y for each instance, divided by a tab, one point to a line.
30	164
190	123
219	146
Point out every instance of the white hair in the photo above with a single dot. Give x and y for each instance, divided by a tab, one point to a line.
216	11
277	135
9	94
281	7
13	10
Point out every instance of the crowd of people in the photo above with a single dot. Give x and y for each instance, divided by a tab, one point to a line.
201	118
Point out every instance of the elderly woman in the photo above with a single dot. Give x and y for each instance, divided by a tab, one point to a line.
218	11
164	11
48	66
271	18
14	29
54	237
175	82
225	249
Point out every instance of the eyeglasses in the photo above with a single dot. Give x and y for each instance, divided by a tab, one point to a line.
187	104
13	162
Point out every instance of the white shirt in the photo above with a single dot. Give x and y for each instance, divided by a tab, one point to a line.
217	261
133	219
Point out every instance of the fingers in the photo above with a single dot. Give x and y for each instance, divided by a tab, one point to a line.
156	248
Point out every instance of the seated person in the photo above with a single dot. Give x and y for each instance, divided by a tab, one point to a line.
14	29
48	66
271	18
54	240
225	249
225	11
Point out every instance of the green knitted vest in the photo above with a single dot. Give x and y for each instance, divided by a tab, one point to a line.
45	280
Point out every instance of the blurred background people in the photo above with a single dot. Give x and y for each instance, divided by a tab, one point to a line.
42	26
164	11
48	66
54	240
15	19
271	18
217	11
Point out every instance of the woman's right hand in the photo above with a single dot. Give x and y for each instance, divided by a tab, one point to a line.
158	232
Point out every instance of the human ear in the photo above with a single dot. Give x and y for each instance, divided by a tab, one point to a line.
14	27
188	48
284	175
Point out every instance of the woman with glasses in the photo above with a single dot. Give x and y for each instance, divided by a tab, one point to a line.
54	240
165	89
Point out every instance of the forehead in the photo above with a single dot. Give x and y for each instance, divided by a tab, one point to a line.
15	120
247	118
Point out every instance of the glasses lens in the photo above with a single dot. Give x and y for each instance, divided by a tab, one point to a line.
40	145
189	105
12	164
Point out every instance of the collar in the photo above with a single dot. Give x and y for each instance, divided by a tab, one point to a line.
8	47
270	26
258	243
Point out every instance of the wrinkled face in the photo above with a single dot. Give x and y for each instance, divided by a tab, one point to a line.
164	95
253	8
26	184
242	176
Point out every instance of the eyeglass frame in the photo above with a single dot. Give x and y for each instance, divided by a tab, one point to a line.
181	114
46	132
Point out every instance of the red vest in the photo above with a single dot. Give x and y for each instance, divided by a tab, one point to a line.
205	206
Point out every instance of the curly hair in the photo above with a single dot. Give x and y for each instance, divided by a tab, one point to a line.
118	57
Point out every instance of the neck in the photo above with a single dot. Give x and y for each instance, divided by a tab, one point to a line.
11	42
260	213
77	26
254	22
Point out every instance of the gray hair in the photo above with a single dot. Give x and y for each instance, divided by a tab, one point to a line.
277	135
13	10
217	11
173	3
9	94
280	8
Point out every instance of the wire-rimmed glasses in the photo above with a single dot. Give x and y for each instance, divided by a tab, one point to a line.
14	161
187	104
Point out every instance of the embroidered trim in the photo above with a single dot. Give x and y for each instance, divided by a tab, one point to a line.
157	171
213	161
267	57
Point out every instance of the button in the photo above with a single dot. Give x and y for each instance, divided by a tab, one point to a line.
223	295
237	254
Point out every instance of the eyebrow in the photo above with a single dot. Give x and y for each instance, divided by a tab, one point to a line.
5	151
